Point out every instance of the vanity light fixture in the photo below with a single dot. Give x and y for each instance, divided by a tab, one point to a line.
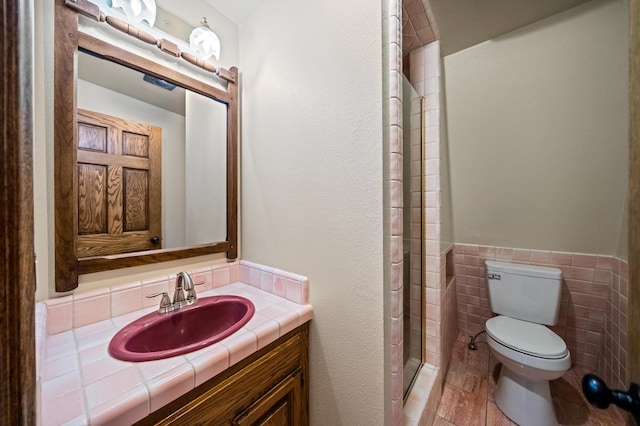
138	10
204	41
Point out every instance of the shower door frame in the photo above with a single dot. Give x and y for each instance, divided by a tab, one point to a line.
407	285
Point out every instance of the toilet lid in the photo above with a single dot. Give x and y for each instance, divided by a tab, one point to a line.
527	337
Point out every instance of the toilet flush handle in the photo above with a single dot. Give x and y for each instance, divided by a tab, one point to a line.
494	276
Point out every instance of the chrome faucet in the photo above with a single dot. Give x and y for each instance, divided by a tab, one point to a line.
183	283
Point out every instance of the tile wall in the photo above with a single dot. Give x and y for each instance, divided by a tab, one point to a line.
592	318
394	261
612	365
449	311
425	78
417	30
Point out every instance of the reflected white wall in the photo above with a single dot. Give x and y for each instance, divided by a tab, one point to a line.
206	170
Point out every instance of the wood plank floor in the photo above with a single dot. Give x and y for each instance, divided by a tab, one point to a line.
467	397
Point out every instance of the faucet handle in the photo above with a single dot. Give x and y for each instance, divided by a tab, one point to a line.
165	302
191	294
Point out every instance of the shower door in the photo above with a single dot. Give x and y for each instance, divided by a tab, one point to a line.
412	112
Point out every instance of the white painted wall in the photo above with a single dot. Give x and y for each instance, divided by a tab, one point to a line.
537	129
312	184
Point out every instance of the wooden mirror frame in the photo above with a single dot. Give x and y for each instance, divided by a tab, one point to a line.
67	41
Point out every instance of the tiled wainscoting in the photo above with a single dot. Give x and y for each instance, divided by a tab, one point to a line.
613	346
449	319
593	310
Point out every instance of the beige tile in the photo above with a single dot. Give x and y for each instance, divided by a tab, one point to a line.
568	387
439	421
464	408
495	417
569	413
469	381
572	407
466	360
606	417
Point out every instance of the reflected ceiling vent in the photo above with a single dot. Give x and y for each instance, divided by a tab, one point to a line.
159	82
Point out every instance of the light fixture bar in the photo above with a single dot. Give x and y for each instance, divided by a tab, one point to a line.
91	10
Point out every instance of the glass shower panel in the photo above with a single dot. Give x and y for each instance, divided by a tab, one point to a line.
412	112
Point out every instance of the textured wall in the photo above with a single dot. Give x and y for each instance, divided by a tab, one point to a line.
312	185
538	137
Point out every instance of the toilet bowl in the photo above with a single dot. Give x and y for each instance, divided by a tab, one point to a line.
531	355
526	298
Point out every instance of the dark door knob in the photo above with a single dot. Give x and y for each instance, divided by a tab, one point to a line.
599	395
155	240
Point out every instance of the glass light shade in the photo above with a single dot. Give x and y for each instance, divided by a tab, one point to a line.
138	10
204	41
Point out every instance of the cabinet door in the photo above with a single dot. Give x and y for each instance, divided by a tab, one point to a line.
281	406
272	383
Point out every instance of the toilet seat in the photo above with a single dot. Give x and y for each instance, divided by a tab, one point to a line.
516	340
528	338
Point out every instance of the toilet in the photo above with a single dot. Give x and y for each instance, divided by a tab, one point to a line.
526	298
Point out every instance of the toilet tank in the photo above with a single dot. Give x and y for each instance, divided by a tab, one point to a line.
525	292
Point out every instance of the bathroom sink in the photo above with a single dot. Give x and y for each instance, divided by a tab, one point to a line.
158	336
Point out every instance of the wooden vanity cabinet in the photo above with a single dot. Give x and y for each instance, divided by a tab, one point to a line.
268	388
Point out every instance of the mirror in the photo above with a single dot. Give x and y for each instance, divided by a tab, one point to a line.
146	157
193	144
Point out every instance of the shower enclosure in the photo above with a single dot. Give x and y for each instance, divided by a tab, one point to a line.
413	289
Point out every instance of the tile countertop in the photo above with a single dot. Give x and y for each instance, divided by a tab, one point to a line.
80	383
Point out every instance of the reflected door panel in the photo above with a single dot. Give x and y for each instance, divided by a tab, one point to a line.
119	185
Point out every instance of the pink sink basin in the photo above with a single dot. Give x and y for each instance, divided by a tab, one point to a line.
157	336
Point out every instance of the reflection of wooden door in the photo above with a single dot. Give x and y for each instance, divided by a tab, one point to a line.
119	185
